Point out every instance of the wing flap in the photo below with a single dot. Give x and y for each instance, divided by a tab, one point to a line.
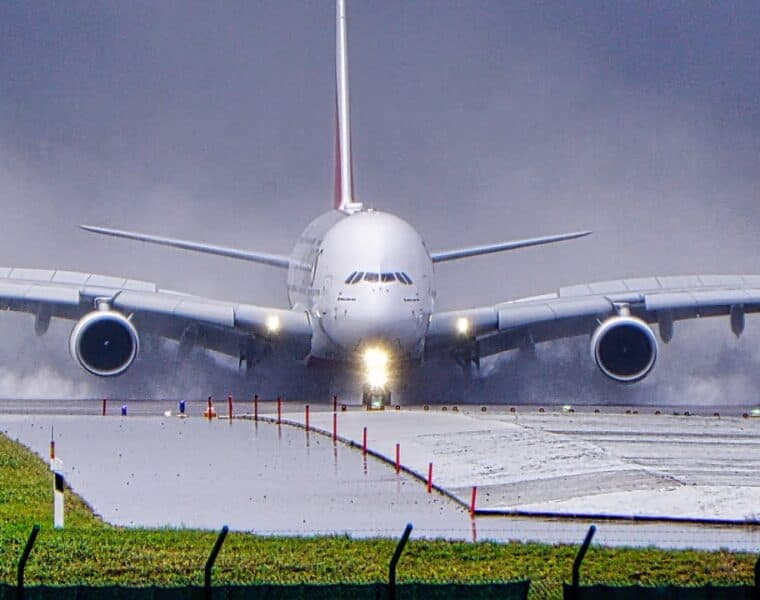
30	292
701	299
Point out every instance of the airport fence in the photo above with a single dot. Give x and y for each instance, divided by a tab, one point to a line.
575	591
390	590
375	591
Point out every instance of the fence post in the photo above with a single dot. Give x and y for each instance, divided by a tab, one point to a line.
22	561
394	561
211	560
579	559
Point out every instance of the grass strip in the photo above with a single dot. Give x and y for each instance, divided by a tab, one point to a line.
91	552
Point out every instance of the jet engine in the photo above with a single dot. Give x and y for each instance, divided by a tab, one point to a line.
104	343
624	348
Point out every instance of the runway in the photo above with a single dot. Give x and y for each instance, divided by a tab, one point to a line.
148	469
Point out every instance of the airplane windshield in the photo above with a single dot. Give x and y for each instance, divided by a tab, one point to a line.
357	276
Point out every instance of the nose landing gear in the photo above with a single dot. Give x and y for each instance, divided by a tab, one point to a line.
376	397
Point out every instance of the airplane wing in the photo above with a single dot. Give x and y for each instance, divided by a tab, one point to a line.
457	253
273	260
581	309
225	327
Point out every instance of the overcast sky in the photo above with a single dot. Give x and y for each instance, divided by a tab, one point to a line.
476	121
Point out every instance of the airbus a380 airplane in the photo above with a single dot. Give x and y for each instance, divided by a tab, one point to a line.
361	289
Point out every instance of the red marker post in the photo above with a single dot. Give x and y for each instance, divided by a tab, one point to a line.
256	407
52	452
335	404
472	500
398	458
307	417
364	442
279	410
335	427
104	407
229	407
430	478
210	412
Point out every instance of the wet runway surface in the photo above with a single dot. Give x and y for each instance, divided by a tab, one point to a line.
148	469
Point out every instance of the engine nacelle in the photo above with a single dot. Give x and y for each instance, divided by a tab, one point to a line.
624	348
104	343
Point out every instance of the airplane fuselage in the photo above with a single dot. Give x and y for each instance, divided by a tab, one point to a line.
366	279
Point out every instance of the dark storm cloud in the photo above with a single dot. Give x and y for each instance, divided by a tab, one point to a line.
475	121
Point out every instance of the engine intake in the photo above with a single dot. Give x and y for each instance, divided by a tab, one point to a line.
104	343
624	348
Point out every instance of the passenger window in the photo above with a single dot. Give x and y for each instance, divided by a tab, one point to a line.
357	277
350	277
387	277
374	277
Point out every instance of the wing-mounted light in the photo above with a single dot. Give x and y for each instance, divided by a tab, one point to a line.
273	324
463	326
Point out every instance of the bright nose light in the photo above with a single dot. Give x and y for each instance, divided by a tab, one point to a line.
376	363
375	357
463	326
273	324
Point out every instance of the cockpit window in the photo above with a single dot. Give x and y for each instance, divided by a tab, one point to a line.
357	276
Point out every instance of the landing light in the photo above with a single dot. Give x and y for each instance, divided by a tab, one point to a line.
375	357
376	364
463	326
273	324
377	378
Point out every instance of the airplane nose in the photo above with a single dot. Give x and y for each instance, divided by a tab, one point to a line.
377	317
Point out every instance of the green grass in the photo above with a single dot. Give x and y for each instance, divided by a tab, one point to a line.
92	552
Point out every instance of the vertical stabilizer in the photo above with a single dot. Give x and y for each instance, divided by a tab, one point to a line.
344	180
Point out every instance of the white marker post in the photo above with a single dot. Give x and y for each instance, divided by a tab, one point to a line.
58	485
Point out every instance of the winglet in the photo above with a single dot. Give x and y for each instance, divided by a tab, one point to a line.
344	179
